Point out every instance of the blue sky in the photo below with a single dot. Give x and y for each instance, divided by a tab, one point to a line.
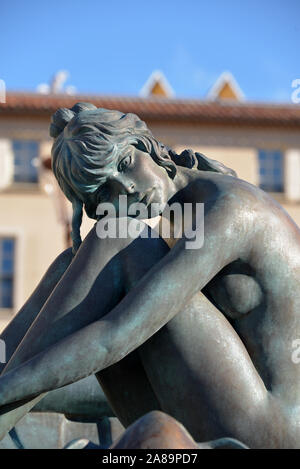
111	47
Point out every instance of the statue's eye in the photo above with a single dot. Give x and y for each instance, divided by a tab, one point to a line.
124	163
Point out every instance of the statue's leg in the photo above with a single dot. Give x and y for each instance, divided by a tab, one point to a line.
203	376
90	288
131	398
19	325
82	401
23	320
157	430
72	397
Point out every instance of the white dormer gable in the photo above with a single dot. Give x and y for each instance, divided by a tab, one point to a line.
157	86
226	87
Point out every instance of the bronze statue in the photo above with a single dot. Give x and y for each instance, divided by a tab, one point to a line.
205	335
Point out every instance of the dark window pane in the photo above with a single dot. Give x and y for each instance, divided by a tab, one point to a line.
6	300
277	173
262	155
271	170
7	248
7	266
277	156
25	154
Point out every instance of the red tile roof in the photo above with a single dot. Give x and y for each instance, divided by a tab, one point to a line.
160	109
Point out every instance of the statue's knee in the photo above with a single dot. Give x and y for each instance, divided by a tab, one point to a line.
142	254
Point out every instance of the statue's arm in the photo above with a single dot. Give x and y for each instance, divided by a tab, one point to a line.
155	300
14	332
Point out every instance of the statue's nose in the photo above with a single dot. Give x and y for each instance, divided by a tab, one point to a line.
130	188
124	186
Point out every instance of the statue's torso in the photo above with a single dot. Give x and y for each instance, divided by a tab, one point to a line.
257	298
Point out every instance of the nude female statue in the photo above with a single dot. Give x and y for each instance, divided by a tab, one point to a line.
205	335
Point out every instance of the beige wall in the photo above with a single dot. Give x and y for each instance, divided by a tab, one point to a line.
198	135
242	160
31	219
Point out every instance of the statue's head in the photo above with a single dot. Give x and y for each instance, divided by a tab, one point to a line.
99	154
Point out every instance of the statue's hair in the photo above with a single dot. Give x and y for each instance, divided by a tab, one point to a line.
88	141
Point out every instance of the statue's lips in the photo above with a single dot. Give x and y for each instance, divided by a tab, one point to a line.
147	197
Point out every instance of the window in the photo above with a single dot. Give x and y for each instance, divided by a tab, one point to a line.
271	170
7	254
25	161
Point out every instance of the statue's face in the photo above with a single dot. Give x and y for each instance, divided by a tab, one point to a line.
136	175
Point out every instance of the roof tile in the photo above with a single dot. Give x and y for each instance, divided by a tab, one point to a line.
167	109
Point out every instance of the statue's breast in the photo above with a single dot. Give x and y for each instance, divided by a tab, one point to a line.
235	291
